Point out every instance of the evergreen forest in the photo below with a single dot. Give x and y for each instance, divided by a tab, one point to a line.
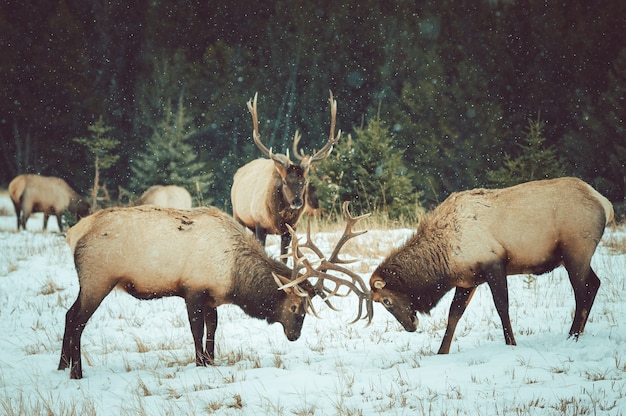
434	96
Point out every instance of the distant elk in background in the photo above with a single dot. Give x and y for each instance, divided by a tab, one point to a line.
167	196
269	195
48	194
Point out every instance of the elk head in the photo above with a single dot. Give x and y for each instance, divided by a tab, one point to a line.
294	306
294	181
395	300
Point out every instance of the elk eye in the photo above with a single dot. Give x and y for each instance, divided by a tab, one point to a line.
386	302
293	308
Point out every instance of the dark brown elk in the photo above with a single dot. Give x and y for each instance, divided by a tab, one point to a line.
166	196
201	255
483	235
47	194
268	195
312	202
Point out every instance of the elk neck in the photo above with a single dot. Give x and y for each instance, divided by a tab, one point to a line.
254	289
421	268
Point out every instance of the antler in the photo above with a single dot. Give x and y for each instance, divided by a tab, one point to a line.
324	152
299	262
355	285
298	154
282	159
255	124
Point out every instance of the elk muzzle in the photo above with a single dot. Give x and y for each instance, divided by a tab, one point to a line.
296	203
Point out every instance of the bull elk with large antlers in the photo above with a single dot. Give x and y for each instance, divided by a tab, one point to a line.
269	195
482	236
202	255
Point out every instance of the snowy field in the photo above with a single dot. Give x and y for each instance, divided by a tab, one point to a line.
138	355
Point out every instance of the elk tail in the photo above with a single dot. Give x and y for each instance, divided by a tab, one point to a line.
606	204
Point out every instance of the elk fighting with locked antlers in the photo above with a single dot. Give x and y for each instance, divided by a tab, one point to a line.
482	236
201	255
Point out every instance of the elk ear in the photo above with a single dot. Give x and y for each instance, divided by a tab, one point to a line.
280	160
378	283
281	168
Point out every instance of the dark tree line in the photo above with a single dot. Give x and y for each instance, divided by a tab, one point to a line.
454	82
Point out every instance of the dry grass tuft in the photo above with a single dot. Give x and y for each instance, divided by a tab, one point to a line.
616	243
50	287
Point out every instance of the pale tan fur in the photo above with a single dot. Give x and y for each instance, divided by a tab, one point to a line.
168	196
524	223
251	193
606	204
47	194
157	253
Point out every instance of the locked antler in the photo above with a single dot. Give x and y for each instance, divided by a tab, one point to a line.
355	285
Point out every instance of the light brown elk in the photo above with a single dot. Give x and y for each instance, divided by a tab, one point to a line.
483	235
268	195
201	255
166	196
47	194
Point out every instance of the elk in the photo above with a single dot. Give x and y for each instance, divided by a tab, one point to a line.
482	236
268	195
312	202
48	194
201	255
166	196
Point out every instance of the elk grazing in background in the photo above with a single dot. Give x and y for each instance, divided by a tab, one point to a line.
482	235
47	194
202	255
166	196
269	195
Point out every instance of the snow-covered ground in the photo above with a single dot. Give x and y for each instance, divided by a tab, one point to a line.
138	355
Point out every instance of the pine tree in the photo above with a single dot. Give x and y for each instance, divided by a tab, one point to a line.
449	127
169	159
100	146
535	160
368	172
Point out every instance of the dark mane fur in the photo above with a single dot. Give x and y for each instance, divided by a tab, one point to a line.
420	266
255	290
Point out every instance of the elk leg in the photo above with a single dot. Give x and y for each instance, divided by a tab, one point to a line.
499	290
462	298
18	212
25	216
45	221
210	321
66	347
285	239
195	311
584	293
59	223
261	233
75	320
